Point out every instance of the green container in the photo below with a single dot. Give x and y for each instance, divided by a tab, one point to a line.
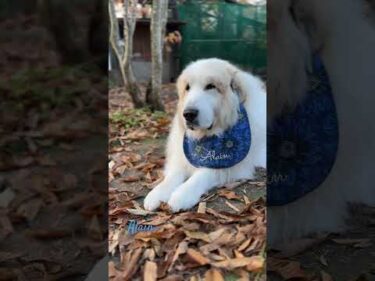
229	31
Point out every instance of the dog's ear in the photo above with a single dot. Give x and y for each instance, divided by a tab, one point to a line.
181	85
237	85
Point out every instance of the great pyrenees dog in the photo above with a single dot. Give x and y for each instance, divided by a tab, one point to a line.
342	34
218	134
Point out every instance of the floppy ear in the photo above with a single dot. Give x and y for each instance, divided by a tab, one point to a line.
180	85
237	84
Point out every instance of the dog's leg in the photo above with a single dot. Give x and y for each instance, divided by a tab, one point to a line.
162	192
189	193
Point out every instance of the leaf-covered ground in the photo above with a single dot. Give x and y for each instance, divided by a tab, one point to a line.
52	196
223	238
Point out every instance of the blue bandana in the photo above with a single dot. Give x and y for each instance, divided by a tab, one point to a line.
302	145
223	151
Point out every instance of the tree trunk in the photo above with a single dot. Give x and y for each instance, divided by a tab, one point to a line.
124	54
158	24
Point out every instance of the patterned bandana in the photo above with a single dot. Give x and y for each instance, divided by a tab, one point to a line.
223	151
302	145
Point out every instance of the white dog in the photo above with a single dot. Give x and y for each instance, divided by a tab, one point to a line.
211	95
341	33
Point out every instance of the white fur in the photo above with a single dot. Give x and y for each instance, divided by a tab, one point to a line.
184	184
345	40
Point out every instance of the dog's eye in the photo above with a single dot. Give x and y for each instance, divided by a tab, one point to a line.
187	88
210	87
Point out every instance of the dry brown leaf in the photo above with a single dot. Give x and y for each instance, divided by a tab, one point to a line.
112	272
114	241
256	265
181	249
202	208
228	194
131	264
150	271
130	179
173	277
139	212
232	206
230	264
194	278
217	233
215	257
244	245
213	275
197	235
238	254
246	200
197	257
158	220
149	254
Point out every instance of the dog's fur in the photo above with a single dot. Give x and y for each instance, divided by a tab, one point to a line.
341	32
183	184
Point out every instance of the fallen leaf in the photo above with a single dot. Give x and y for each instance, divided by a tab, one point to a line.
130	179
213	275
131	264
232	206
173	277
111	269
202	208
230	264
197	257
256	264
228	194
197	235
150	271
139	212
244	245
181	249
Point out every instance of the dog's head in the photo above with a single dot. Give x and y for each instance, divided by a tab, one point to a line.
210	93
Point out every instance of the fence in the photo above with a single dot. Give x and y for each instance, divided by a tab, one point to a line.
230	31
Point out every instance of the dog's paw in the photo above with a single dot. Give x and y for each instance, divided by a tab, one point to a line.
155	197
153	200
181	200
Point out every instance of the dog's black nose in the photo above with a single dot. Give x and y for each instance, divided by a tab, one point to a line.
190	114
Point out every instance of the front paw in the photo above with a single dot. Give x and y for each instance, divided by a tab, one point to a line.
155	197
182	200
